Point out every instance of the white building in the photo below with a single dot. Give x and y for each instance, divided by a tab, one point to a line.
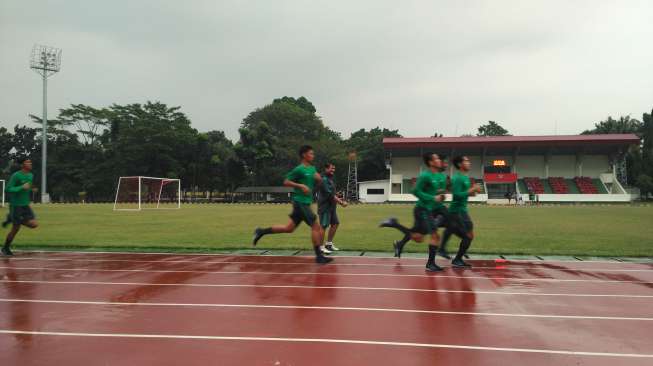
574	168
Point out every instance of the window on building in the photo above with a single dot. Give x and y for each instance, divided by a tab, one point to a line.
375	191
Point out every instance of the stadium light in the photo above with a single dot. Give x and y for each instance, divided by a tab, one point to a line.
45	61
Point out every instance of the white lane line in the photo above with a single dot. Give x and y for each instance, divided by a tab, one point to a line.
333	308
536	262
329	340
434	276
94	283
501	266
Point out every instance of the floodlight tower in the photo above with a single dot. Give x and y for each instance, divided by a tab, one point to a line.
45	61
351	194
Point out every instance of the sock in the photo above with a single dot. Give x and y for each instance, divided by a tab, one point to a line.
432	250
402	228
464	245
329	243
318	251
445	240
267	230
404	240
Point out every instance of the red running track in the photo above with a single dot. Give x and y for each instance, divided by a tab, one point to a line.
137	309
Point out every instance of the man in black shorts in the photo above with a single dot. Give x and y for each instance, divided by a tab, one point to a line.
20	212
327	202
303	179
460	223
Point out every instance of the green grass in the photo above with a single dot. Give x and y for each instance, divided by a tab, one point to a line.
619	230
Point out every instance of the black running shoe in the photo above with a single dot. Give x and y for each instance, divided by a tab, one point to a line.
443	254
432	267
258	234
6	251
323	260
390	222
459	263
399	248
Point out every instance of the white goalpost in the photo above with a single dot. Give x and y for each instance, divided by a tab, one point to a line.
147	193
2	181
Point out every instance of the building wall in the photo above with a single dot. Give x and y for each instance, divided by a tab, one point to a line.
562	166
406	166
530	166
595	165
366	197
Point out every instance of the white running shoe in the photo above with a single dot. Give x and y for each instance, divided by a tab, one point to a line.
325	250
331	247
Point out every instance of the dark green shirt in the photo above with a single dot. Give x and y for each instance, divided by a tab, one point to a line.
326	193
18	196
429	185
305	175
460	185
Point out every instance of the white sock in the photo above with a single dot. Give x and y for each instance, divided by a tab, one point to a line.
329	243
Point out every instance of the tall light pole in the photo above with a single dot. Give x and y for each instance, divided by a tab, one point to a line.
45	61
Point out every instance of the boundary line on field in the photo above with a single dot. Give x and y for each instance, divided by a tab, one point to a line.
331	308
362	288
502	267
329	340
307	256
324	274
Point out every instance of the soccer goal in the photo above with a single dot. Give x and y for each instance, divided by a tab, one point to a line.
143	193
2	182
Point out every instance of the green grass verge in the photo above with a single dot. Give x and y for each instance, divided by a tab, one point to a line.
618	230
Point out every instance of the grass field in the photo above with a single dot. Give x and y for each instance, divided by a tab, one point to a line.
548	230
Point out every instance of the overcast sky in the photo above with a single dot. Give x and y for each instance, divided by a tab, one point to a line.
417	66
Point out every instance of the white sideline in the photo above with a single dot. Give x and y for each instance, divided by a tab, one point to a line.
295	256
329	288
334	308
324	274
498	267
328	340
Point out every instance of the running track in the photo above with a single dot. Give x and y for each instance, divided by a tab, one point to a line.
73	308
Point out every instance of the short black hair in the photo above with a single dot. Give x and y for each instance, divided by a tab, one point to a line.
457	161
23	160
327	165
427	157
304	149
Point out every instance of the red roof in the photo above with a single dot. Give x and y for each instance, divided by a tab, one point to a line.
501	141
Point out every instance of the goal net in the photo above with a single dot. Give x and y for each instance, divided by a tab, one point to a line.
142	193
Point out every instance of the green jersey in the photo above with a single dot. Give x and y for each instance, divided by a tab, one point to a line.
18	196
305	175
429	185
460	185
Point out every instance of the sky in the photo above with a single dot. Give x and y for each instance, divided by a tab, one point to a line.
536	67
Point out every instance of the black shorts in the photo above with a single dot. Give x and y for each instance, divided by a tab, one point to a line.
424	221
328	217
461	223
441	216
302	212
20	215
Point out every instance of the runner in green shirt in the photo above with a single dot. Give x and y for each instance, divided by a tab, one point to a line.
20	213
303	179
460	224
429	212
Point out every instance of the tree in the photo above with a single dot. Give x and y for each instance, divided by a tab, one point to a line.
89	122
368	146
645	185
492	128
6	144
270	137
634	157
623	125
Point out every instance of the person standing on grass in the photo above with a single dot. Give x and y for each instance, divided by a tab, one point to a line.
460	224
327	202
20	212
429	211
303	179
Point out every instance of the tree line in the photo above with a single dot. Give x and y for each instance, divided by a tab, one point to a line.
90	147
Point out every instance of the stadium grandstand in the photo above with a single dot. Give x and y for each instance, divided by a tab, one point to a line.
573	168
